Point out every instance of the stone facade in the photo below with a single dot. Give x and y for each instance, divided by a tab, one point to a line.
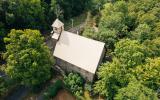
72	68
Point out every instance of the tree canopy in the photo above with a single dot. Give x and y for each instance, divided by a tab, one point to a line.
130	30
130	52
28	59
136	91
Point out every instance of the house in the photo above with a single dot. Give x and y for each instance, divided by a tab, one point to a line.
76	53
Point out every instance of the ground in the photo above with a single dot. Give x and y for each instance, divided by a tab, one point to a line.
64	95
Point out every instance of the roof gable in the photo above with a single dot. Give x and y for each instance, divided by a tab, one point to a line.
57	23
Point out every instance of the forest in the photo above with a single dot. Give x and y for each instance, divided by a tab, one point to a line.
130	30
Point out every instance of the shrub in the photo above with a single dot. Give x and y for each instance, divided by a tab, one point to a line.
88	87
6	84
74	82
3	87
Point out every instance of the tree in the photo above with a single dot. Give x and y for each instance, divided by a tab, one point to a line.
142	33
111	77
2	35
153	47
106	36
135	91
74	83
114	24
71	8
3	87
28	59
134	27
114	18
23	14
130	52
148	73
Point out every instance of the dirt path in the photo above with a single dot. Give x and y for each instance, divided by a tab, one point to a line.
64	95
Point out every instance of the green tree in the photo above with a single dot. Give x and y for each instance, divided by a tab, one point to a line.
25	14
130	52
133	19
142	33
111	77
74	83
71	8
145	12
106	36
114	24
28	59
3	87
149	74
153	47
2	35
135	91
114	18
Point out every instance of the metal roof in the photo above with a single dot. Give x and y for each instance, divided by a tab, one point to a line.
80	51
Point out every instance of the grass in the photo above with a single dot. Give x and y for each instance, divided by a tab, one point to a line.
87	96
76	21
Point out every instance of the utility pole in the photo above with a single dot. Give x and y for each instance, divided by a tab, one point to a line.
72	22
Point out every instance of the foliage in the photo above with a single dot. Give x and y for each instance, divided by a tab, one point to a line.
135	91
133	19
88	87
115	75
130	52
96	6
5	85
25	14
2	34
114	80
153	47
148	73
142	33
103	35
114	18
28	58
53	89
112	25
70	8
74	83
112	76
90	33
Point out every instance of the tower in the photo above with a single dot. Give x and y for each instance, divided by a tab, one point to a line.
58	28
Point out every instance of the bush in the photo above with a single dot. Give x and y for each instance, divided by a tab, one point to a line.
88	87
6	84
53	89
74	82
3	87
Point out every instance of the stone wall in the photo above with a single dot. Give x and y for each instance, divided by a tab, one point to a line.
72	68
